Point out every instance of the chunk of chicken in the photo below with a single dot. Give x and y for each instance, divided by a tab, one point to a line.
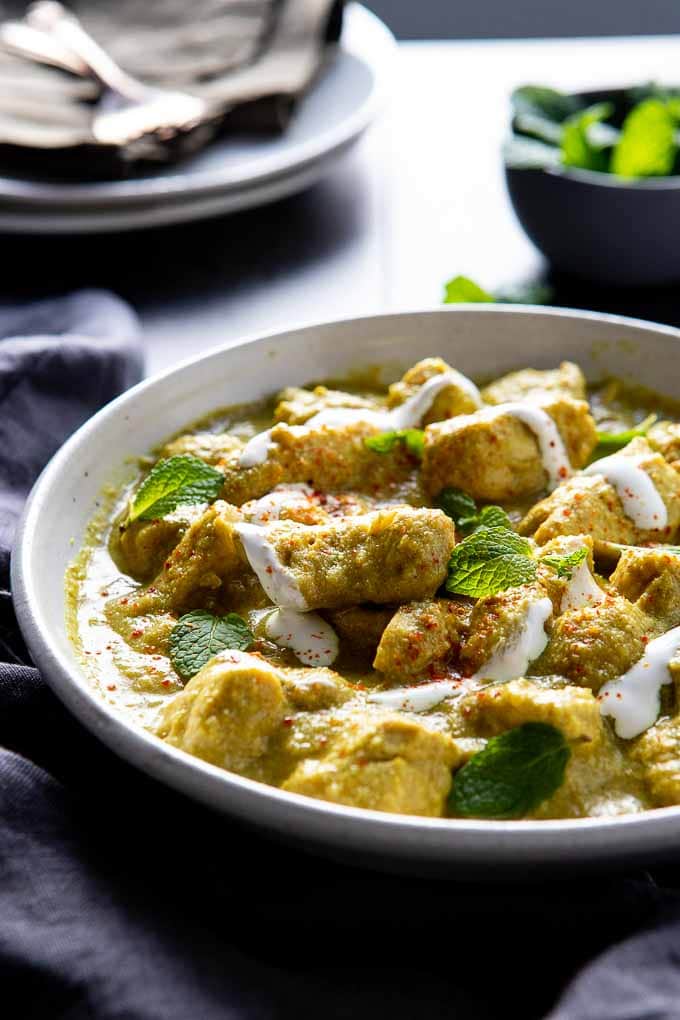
328	458
383	762
573	710
651	579
594	644
664	437
534	384
658	752
497	459
392	555
296	406
419	635
458	398
228	712
496	626
360	627
140	549
588	504
217	449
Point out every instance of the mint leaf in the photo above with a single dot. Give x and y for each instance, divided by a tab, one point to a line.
461	289
198	636
458	505
514	773
177	481
488	561
530	293
490	517
609	442
579	148
522	153
647	147
385	442
540	101
566	565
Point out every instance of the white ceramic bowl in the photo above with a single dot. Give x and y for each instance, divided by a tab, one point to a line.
479	340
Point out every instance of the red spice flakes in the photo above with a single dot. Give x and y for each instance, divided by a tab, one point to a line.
167	564
124	602
288	721
104	593
137	633
165	683
111	687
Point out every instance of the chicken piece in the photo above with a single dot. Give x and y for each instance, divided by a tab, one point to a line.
588	504
651	579
507	631
658	752
140	549
460	397
382	762
328	458
495	457
577	588
296	406
360	627
301	503
315	689
573	710
594	644
420	634
533	384
217	449
664	437
228	712
392	555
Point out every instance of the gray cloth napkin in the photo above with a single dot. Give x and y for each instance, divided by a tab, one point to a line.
121	900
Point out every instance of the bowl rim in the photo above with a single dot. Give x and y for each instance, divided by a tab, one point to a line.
598	178
250	799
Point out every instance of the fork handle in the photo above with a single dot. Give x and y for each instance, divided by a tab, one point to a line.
50	17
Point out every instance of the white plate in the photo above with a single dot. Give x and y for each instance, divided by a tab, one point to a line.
234	173
476	339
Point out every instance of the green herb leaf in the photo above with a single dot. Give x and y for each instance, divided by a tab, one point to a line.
540	101
177	481
461	289
514	773
462	509
522	153
579	147
647	147
530	293
488	561
198	636
609	442
385	442
566	565
488	517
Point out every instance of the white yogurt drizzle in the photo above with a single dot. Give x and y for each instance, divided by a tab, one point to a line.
279	584
636	490
406	415
505	664
633	699
313	641
268	508
582	590
513	658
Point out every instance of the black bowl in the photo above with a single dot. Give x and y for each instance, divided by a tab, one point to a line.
599	226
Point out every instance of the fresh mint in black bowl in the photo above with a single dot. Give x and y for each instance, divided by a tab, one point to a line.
594	179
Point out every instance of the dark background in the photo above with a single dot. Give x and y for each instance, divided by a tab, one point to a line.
512	19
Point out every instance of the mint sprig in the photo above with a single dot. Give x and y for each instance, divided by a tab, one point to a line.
566	565
610	442
580	146
461	289
488	561
198	636
463	511
386	442
647	146
515	772
178	481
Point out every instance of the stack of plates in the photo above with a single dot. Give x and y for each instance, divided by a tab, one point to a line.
232	173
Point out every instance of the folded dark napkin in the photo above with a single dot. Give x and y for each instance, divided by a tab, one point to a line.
255	59
121	899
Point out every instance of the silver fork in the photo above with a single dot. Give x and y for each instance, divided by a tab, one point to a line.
129	110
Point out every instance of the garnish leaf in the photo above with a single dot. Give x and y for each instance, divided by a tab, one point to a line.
385	442
647	147
514	773
488	561
461	289
462	510
540	101
609	442
198	636
177	481
522	153
566	565
579	147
